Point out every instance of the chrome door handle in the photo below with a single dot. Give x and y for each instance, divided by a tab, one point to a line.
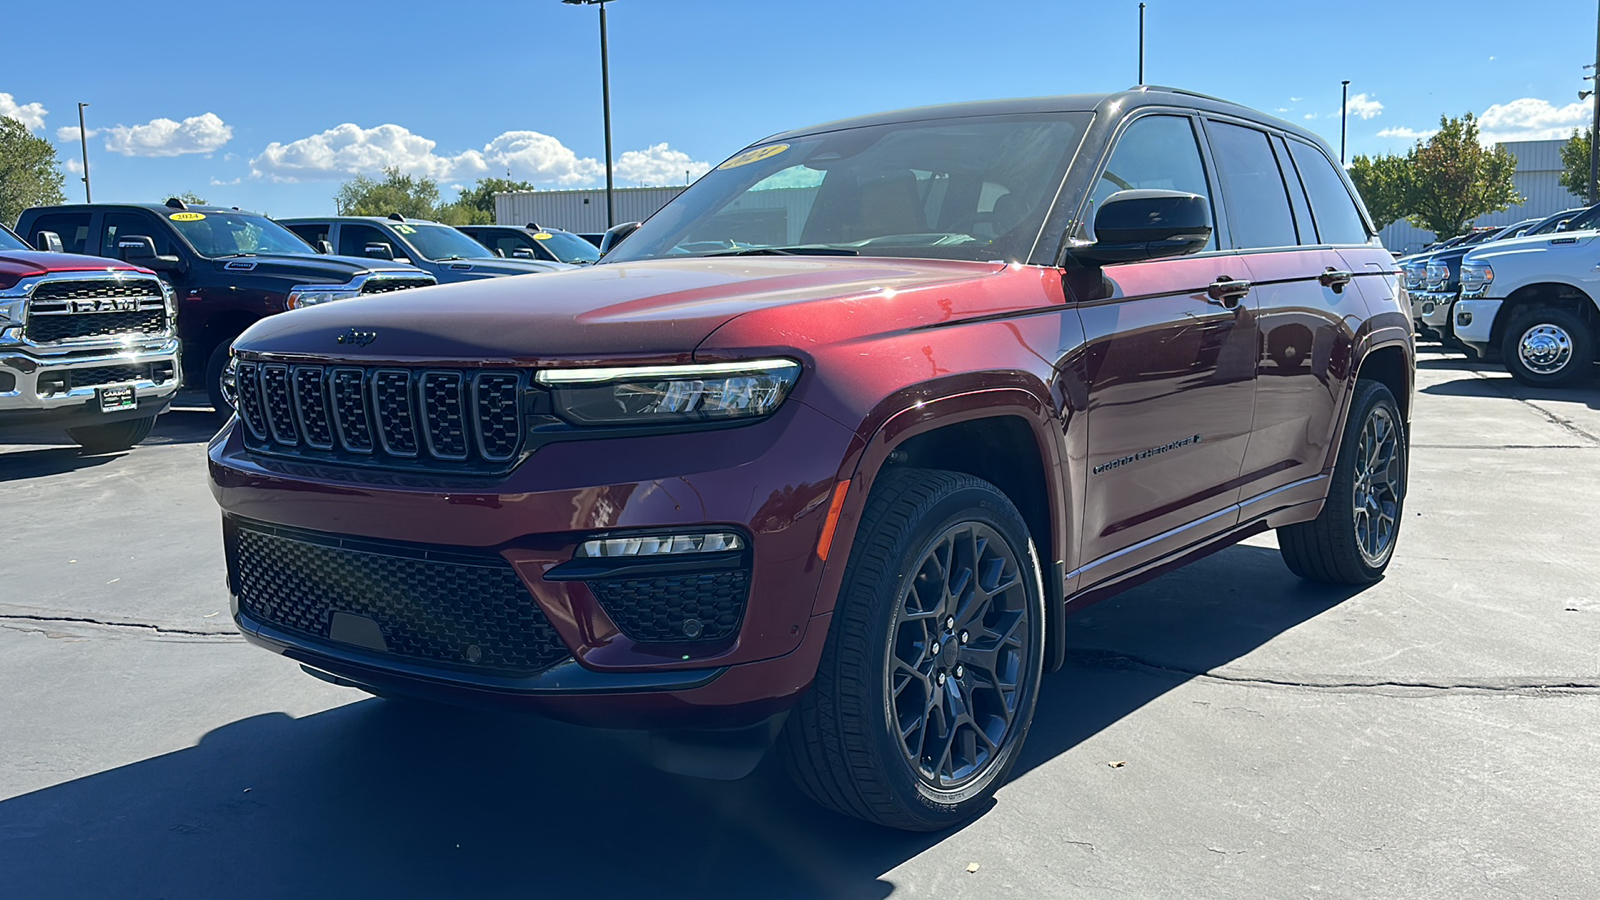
1333	278
1228	291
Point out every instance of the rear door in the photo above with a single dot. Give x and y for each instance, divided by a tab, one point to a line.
1171	372
1304	302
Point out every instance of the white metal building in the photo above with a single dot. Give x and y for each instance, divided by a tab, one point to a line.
582	210
1538	180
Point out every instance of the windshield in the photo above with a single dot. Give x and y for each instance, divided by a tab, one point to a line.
236	234
975	188
9	241
1551	224
567	247
438	242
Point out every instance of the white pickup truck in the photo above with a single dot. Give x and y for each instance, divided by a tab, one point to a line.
1532	301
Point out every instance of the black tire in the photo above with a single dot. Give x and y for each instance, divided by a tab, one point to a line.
842	743
1333	547
112	436
215	363
1547	347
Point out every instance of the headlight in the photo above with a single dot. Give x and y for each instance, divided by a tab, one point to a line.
1476	276
662	395
310	296
1437	275
230	383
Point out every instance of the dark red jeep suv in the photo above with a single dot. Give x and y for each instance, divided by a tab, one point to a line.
825	451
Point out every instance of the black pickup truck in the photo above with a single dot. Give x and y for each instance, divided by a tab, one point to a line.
227	267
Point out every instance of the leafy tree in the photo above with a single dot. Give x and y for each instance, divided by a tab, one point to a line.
407	195
1384	183
481	195
1454	179
188	197
29	173
1575	164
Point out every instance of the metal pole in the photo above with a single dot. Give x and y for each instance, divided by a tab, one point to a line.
605	90
1594	127
1141	43
1344	115
83	138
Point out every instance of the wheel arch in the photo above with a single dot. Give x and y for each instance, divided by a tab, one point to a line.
1558	294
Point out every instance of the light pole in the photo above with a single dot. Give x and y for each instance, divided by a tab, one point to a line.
605	97
1344	115
1141	43
83	138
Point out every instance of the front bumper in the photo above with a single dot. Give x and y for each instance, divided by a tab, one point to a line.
770	481
1473	320
1434	308
39	389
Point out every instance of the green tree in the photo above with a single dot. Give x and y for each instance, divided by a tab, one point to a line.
481	195
1454	179
407	195
1575	164
189	197
29	173
1384	183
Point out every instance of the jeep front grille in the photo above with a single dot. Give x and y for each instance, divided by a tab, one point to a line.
434	605
84	309
456	419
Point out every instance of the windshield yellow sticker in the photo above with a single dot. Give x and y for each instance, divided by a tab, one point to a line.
543	236
756	155
187	217
405	229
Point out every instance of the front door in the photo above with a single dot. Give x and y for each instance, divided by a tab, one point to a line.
1170	369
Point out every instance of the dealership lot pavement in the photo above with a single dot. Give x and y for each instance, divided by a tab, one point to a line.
1225	731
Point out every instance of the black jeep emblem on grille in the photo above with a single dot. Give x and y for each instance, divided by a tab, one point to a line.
357	338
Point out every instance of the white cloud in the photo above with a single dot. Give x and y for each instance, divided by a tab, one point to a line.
350	150
217	182
1310	116
659	165
31	115
70	133
1365	107
1409	134
164	137
1295	99
1529	119
73	166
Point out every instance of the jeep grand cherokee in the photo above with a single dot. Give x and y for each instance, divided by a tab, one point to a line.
824	452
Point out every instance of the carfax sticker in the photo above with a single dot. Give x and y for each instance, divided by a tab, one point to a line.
187	217
756	155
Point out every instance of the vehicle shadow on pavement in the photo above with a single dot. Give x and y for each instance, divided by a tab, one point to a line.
1587	393
387	799
43	453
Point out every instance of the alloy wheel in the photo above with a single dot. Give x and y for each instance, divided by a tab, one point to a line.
1379	483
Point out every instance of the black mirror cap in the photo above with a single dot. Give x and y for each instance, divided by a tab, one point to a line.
615	235
136	248
325	248
523	253
1147	224
48	241
379	250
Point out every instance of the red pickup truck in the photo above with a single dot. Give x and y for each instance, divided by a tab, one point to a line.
826	451
87	344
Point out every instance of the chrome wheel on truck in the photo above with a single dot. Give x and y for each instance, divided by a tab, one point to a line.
928	682
1548	347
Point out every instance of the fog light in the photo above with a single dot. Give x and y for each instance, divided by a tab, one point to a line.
1463	319
50	385
1427	309
662	545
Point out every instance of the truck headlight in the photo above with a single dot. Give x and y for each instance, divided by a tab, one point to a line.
664	395
230	383
1476	276
302	297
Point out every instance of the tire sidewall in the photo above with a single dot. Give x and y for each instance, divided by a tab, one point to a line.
215	363
1582	360
1344	486
965	504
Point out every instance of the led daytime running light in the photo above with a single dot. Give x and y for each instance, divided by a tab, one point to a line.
661	545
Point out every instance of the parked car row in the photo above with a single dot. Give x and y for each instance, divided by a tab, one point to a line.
93	315
1523	295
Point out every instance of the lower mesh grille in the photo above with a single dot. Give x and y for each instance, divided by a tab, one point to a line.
429	605
80	378
676	609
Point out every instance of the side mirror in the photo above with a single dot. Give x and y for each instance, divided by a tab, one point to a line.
500	253
48	241
1147	224
140	250
615	235
379	250
325	248
523	253
1563	224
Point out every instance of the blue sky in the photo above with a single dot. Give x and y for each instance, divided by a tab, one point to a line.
272	110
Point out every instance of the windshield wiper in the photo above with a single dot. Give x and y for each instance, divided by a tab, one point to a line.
787	251
232	255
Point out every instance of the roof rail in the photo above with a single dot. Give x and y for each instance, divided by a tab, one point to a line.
1148	88
175	203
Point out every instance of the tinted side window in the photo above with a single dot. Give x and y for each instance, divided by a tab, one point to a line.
1258	203
121	225
1338	221
1157	152
312	233
1297	193
353	240
72	227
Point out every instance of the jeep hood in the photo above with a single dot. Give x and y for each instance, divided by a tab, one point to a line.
312	268
653	310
